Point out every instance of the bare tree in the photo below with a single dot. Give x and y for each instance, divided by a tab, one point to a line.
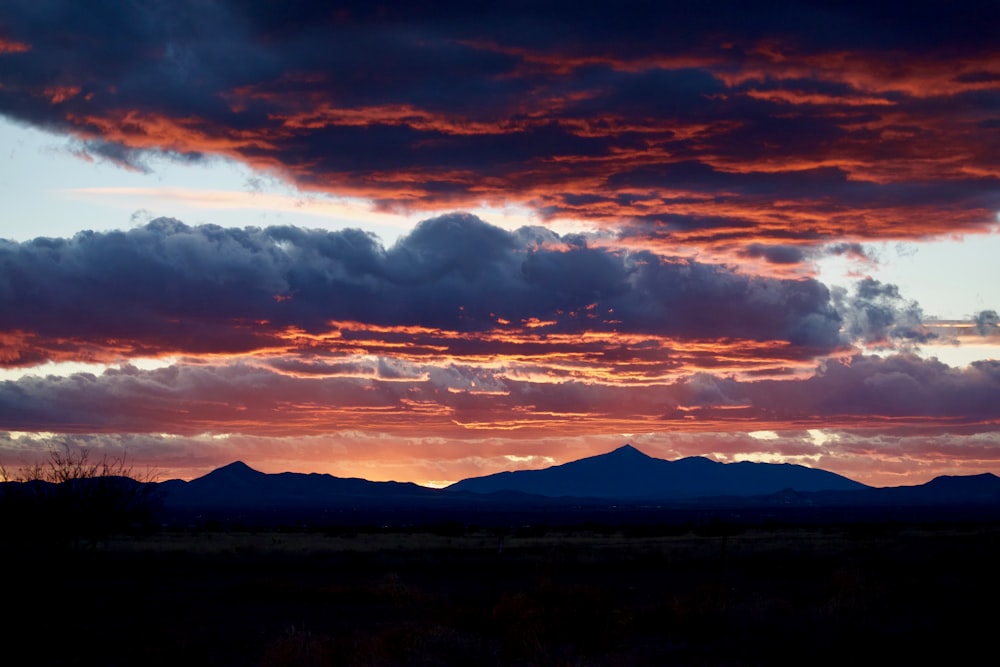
71	499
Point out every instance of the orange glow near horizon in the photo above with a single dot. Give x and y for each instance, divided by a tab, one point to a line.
437	461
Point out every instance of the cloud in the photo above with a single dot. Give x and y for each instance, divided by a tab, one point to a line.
884	420
776	254
987	322
900	386
167	287
854	250
878	316
455	398
784	122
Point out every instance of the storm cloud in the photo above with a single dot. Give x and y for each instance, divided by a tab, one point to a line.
167	287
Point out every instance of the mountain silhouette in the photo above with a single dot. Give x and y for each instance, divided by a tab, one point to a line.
628	473
983	489
237	485
623	481
985	486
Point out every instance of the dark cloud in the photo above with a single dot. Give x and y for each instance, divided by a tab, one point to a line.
897	386
800	254
876	314
855	250
172	287
987	322
776	254
780	118
869	390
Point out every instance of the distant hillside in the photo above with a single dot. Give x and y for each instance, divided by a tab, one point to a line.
627	473
982	490
238	485
621	486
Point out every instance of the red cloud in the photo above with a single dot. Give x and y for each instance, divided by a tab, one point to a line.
747	133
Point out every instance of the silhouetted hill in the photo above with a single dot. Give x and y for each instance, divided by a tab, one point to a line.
237	485
627	473
963	489
981	489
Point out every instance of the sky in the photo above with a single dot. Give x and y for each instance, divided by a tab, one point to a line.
428	243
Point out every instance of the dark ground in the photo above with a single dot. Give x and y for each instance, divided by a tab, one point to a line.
830	594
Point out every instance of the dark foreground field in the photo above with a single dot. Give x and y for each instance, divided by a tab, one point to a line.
830	595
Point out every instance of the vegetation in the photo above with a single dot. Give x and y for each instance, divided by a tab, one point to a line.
70	500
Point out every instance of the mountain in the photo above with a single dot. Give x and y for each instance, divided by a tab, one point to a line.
621	486
237	485
983	489
629	474
959	489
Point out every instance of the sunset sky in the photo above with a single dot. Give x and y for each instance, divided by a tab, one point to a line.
388	242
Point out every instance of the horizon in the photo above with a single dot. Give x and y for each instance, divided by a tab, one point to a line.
428	244
240	462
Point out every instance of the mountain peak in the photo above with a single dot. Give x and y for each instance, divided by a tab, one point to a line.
237	466
629	451
627	472
235	470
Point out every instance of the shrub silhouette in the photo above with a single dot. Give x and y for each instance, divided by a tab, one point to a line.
72	501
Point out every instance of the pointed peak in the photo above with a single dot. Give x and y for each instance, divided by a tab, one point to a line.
235	469
237	465
628	450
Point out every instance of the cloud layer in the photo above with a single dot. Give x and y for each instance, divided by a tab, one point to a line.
779	123
191	399
454	281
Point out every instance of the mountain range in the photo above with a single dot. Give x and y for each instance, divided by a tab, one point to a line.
621	479
627	473
237	485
